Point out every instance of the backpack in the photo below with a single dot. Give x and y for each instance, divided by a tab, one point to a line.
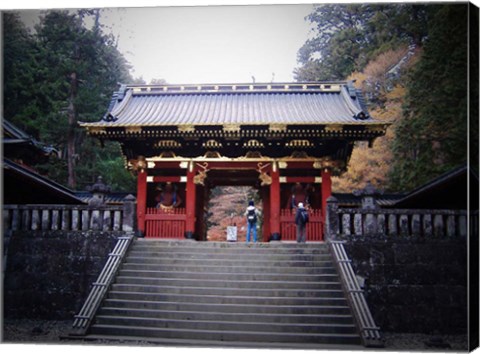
304	216
252	216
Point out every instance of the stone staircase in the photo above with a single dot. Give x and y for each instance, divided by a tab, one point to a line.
227	294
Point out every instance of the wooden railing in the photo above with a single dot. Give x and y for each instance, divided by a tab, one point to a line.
396	222
288	229
99	288
69	217
369	331
165	223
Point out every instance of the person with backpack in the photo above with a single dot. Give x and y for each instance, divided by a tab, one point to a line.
301	220
252	215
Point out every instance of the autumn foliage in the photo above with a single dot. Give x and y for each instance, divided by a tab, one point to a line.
226	207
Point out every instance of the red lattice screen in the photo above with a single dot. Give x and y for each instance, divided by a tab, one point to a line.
288	229
162	223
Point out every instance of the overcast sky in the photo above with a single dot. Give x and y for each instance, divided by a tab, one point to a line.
209	44
201	44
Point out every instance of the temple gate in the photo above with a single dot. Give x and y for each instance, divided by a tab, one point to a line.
285	140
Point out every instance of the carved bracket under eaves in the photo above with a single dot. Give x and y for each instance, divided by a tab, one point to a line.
199	178
264	177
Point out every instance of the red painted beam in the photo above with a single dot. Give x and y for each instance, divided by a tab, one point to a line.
160	179
294	165
167	164
300	180
234	165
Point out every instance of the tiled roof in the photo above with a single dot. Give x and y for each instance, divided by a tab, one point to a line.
111	198
240	104
49	191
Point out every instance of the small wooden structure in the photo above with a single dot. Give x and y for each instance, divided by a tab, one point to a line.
286	140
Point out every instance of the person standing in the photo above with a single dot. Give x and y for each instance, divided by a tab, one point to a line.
252	215
301	220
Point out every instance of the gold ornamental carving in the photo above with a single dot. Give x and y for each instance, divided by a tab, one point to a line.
335	166
202	173
138	165
264	177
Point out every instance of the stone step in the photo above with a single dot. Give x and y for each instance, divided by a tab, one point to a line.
227	316
228	262
230	284
177	291
225	325
247	336
229	255
230	275
216	307
202	290
178	244
253	250
201	343
326	268
234	300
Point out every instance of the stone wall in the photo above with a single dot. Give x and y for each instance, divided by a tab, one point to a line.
48	274
413	284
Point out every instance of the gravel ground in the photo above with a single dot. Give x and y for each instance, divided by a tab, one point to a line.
34	331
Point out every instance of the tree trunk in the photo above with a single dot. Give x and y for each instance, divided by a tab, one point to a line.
72	121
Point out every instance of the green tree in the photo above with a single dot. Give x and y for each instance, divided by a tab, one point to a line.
431	138
62	74
348	36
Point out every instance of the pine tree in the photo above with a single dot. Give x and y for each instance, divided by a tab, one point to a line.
60	75
431	139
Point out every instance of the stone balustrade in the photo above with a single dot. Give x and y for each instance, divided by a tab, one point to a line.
66	217
395	222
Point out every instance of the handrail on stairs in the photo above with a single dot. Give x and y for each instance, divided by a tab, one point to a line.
370	333
99	288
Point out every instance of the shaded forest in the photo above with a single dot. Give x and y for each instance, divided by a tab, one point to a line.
63	72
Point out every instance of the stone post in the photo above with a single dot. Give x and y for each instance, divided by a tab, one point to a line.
99	192
331	220
369	202
128	223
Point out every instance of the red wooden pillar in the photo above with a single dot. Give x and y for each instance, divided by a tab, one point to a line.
275	204
326	190
190	203
141	199
266	213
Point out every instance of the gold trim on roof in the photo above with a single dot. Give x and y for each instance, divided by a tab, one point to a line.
277	127
299	143
231	127
172	144
253	143
133	129
96	130
188	128
212	143
333	128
